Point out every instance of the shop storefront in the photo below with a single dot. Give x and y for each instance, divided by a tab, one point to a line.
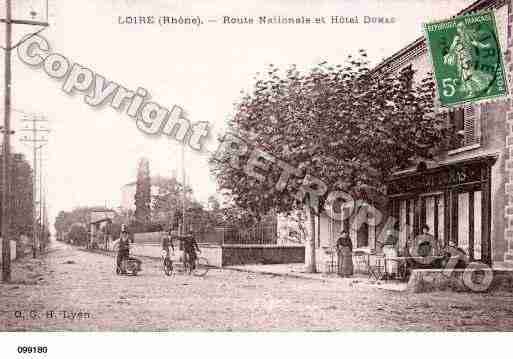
454	200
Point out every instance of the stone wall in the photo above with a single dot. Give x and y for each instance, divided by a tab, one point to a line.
148	238
261	254
219	256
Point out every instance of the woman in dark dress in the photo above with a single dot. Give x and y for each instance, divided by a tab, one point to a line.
344	255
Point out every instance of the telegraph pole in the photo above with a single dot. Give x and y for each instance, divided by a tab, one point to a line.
6	149
183	189
41	204
6	146
37	142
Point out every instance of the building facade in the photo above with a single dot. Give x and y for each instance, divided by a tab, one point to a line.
466	193
129	189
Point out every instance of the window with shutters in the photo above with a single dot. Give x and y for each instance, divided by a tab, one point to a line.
465	124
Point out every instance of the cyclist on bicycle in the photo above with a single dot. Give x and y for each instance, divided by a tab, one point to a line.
166	243
190	247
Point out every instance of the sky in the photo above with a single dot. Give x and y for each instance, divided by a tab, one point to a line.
92	152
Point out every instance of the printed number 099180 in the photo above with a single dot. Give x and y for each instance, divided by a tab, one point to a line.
32	350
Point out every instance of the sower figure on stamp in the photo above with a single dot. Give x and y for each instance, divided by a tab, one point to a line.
461	55
344	248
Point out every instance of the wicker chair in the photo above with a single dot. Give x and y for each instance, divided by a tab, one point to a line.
377	266
361	262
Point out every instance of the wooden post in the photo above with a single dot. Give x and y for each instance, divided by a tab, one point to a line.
454	216
447	217
486	214
312	265
6	180
471	225
416	217
435	217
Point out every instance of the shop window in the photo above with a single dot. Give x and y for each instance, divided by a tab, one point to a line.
464	122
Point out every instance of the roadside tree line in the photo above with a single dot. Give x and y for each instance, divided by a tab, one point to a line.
22	206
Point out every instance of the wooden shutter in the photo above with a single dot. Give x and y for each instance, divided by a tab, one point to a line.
469	123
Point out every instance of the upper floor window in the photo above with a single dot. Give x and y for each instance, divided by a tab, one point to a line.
406	75
465	124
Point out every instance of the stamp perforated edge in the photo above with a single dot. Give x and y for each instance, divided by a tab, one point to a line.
463	104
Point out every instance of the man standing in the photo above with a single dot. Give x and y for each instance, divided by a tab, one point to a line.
344	248
455	257
426	243
123	248
190	247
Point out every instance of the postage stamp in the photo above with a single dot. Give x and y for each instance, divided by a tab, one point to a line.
467	59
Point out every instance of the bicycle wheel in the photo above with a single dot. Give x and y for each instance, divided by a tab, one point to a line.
168	266
201	267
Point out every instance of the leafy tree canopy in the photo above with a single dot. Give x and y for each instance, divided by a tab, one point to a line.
346	125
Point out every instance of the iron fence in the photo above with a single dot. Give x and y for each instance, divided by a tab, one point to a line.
259	234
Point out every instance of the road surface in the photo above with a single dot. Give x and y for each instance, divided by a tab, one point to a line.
70	289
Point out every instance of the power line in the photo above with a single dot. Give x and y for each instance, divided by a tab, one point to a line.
36	142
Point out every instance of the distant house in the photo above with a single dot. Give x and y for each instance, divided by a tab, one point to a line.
128	192
98	222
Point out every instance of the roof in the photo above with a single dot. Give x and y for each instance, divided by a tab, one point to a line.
101	220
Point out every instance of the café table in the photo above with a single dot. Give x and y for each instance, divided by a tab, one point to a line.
403	264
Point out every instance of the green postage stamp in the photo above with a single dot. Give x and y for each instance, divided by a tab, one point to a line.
467	59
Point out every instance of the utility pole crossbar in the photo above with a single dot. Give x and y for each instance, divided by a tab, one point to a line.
26	22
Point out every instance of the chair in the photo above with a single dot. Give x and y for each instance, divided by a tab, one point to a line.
377	266
361	262
330	265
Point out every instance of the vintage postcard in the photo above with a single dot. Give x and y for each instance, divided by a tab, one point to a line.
235	166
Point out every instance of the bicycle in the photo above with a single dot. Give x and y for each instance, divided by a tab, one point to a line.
199	268
167	263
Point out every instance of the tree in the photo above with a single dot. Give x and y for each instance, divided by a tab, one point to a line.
167	203
143	193
78	216
77	234
21	220
344	127
61	226
21	192
213	203
234	216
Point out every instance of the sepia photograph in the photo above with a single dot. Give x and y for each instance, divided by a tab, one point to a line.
264	166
